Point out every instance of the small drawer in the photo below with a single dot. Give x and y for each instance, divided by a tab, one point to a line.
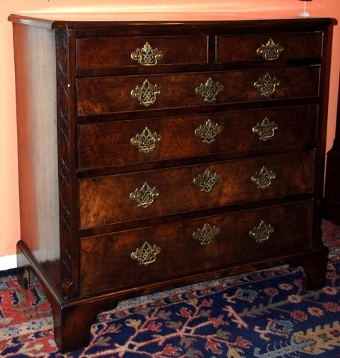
110	262
114	144
268	47
147	194
96	96
112	52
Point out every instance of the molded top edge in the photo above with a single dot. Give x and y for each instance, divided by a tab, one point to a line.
83	20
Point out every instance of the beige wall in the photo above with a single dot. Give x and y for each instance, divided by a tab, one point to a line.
9	207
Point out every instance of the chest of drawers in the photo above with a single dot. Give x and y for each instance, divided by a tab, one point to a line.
155	154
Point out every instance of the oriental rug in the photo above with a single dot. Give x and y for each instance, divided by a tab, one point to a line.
264	314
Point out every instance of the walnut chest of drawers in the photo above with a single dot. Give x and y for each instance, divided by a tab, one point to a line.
154	154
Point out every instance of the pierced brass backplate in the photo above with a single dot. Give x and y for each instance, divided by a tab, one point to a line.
266	129
147	56
146	94
146	141
267	85
262	232
209	90
147	254
144	196
263	179
270	51
207	180
208	131
205	234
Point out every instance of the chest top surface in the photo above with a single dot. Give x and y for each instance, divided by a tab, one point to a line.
143	18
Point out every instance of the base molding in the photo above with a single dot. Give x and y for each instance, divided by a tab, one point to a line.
8	262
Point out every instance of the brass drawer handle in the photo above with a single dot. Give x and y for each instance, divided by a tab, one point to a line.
265	130
146	141
209	90
146	94
262	232
205	234
263	179
270	51
207	180
147	254
266	85
208	131
147	56
144	196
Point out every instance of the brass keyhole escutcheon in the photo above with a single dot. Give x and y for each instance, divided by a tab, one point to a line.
146	94
206	234
147	254
267	85
265	130
263	179
209	90
208	131
207	180
262	232
146	141
270	51
144	196
147	56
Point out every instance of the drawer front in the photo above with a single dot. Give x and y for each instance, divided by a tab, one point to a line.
106	52
147	194
106	95
268	47
138	141
185	248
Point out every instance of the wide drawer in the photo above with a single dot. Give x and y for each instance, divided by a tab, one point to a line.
139	141
106	95
146	194
268	47
105	52
110	262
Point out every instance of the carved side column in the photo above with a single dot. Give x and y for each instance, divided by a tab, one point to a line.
66	160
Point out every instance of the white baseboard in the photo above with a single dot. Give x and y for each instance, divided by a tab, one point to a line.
8	262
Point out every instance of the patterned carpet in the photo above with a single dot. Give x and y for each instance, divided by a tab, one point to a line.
263	314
